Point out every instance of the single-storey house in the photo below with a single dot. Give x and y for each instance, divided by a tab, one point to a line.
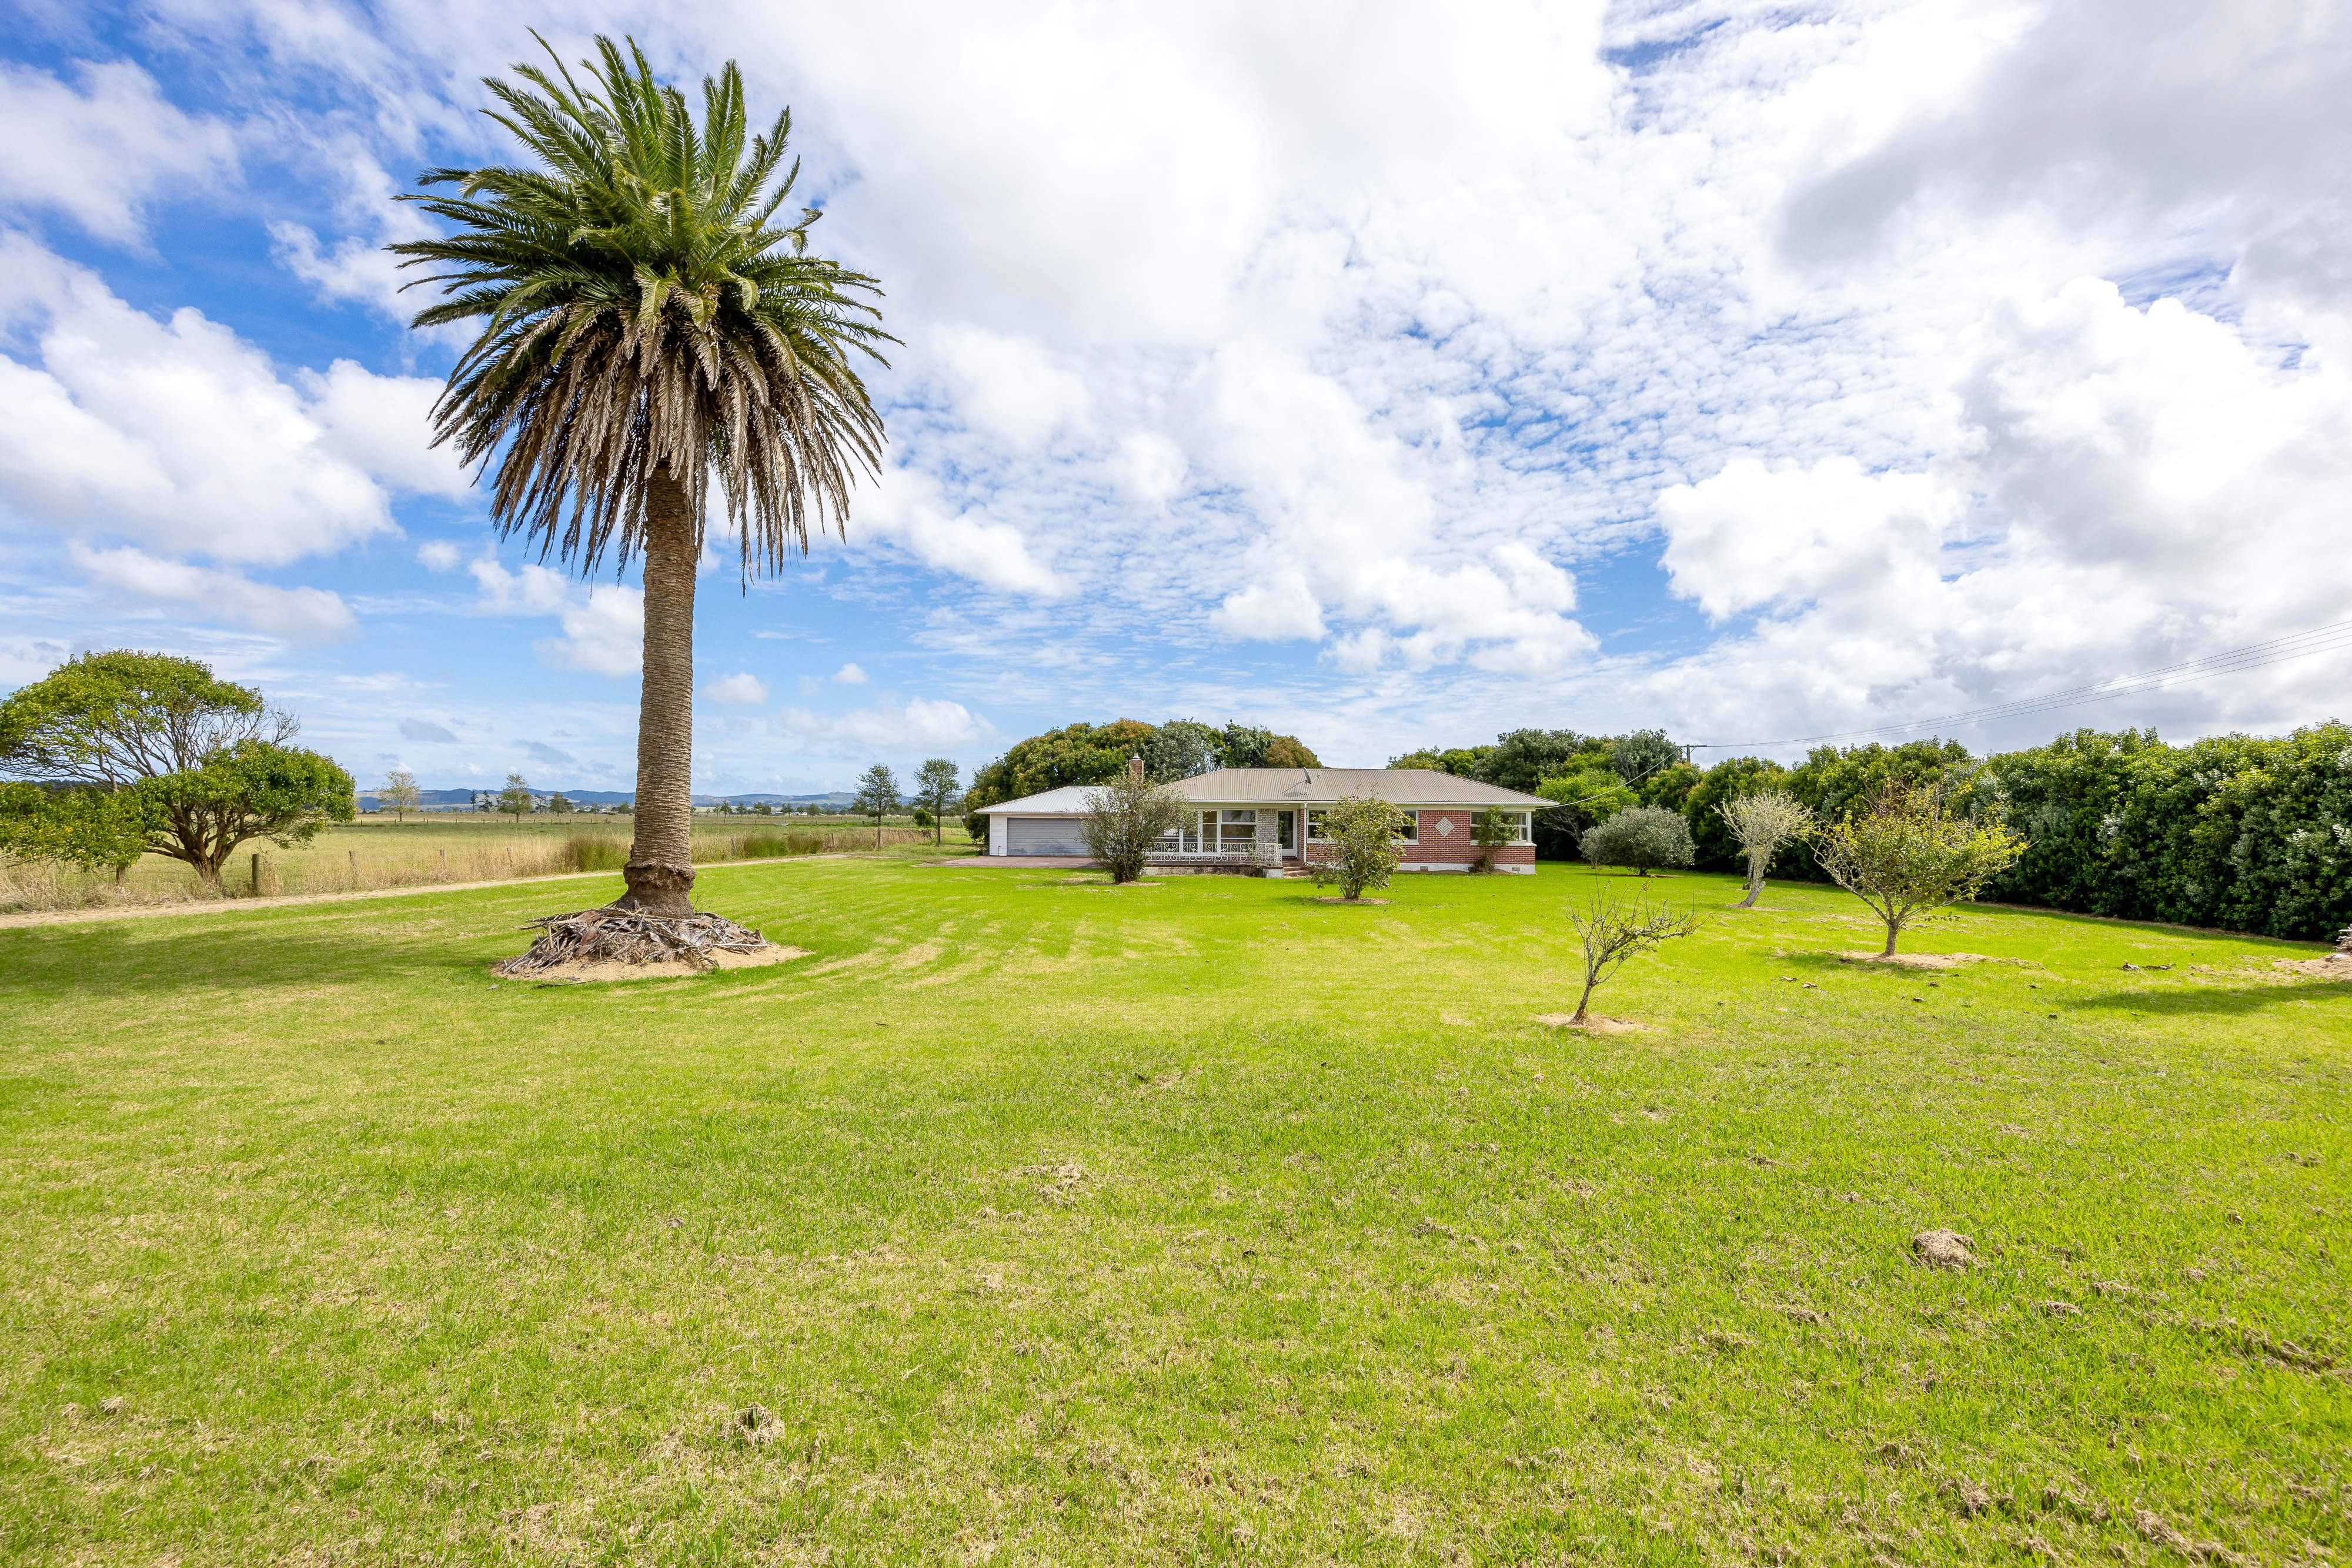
1268	818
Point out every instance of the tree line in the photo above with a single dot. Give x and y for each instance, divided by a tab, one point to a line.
2238	832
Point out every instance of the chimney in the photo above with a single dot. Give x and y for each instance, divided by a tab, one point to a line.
1135	767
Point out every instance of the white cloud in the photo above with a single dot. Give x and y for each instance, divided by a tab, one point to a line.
1275	611
306	616
1837	313
24	659
181	436
907	509
437	555
603	624
1752	537
384	424
101	154
849	676
1009	387
737	690
926	724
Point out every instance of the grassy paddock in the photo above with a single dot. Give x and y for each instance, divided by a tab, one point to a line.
1054	1223
375	851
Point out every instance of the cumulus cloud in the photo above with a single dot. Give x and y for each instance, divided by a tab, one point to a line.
909	509
307	616
849	676
437	555
1752	537
603	623
101	153
182	437
737	690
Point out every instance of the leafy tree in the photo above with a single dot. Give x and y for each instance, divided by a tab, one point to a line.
877	797
1763	824
1642	837
252	790
204	760
1902	854
1526	757
1126	816
1587	797
515	800
1179	749
1362	837
648	324
1288	751
89	828
1463	761
558	802
935	787
400	792
1243	746
1610	932
1833	783
1637	755
924	817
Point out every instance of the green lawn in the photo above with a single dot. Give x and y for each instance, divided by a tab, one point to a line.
1195	1221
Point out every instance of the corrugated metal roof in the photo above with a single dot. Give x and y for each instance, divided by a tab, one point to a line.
1319	786
1069	800
1295	786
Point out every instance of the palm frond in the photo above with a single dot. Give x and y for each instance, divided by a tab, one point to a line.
640	309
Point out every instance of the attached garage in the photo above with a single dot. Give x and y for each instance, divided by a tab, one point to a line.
1044	836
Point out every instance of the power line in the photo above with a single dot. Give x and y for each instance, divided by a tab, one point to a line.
2330	638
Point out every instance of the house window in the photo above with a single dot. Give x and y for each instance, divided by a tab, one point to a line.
1410	834
1522	827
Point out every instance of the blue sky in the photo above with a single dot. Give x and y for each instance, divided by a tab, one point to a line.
1750	371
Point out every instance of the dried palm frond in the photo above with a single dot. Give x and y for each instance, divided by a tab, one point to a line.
608	936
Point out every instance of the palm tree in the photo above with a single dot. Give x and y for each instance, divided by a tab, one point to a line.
648	325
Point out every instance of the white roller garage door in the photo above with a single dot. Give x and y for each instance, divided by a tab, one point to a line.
1044	836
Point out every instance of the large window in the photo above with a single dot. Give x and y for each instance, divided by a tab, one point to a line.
1410	834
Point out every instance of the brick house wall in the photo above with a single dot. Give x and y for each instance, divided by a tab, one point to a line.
1448	847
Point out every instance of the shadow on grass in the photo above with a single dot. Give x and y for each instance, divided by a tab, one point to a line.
2190	1000
454	942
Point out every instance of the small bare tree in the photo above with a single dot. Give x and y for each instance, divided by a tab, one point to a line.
1364	833
1612	932
1125	818
1901	854
1765	824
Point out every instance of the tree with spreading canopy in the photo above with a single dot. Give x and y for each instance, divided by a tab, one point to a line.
1902	854
1644	838
649	326
515	800
200	763
400	792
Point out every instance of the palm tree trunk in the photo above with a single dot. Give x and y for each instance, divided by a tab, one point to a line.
660	869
